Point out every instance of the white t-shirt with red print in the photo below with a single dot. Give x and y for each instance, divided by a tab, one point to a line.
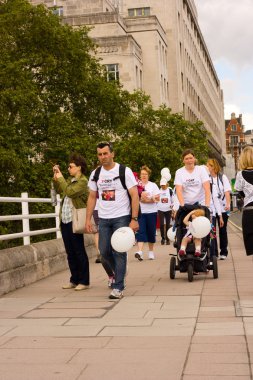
165	203
113	198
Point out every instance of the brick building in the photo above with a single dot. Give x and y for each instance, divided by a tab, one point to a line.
235	137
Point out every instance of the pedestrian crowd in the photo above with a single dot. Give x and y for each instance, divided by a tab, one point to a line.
114	196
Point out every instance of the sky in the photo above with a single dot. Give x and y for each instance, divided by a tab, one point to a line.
227	28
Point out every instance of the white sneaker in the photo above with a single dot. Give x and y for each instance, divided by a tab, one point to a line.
139	255
223	257
151	255
116	294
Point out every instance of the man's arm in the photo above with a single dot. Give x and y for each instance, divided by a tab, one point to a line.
91	203
133	192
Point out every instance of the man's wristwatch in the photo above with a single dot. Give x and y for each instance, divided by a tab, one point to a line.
135	218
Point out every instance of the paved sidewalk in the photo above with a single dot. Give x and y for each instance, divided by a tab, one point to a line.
161	330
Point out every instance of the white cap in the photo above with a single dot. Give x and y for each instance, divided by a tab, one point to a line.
163	181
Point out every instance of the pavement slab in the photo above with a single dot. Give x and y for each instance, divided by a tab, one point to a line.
162	329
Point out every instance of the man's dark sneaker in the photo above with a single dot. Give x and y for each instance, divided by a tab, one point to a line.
162	241
167	242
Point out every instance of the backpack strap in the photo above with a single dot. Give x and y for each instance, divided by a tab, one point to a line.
97	174
122	176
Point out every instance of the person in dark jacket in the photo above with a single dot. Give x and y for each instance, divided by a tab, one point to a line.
244	184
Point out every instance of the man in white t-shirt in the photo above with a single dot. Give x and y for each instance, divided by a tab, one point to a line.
115	210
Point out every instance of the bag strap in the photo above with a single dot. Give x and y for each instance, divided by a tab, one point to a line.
97	174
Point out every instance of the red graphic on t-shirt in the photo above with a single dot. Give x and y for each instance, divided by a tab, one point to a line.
108	195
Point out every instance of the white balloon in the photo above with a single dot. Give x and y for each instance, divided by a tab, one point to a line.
171	234
167	176
123	239
165	172
200	227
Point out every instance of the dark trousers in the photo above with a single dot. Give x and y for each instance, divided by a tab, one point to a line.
223	236
76	254
167	216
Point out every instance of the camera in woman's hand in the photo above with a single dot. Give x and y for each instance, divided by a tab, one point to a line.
56	168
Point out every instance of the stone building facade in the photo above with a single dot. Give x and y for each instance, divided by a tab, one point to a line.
156	46
248	135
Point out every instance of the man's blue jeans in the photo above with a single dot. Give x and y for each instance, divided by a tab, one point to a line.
116	260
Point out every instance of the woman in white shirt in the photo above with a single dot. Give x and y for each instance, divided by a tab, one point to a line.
221	186
192	182
147	221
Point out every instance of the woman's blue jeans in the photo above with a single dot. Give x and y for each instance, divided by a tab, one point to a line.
116	260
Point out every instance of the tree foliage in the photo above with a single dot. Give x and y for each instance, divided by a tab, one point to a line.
55	99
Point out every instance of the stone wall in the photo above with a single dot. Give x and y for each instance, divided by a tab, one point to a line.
20	266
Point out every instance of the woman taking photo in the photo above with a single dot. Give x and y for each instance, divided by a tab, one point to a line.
220	184
74	191
147	221
244	184
192	182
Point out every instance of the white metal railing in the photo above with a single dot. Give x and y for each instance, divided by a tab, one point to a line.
25	217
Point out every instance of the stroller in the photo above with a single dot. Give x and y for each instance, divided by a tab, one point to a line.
189	263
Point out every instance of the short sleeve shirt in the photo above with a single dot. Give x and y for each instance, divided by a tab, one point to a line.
113	198
192	184
165	202
152	189
220	187
244	182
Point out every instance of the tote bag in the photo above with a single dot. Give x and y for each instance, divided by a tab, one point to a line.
78	221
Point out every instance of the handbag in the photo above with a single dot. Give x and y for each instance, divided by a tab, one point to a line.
78	221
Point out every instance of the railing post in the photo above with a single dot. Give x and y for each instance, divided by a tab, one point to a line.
25	222
57	218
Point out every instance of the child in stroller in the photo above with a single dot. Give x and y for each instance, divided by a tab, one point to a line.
188	238
191	259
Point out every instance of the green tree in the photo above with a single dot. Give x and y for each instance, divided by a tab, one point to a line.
157	138
55	99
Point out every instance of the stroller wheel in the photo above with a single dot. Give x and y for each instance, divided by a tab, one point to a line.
190	272
172	267
215	267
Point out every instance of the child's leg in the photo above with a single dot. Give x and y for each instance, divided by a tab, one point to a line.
183	246
197	247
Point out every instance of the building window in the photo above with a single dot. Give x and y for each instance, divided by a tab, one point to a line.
112	72
140	79
136	12
234	140
58	11
233	127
